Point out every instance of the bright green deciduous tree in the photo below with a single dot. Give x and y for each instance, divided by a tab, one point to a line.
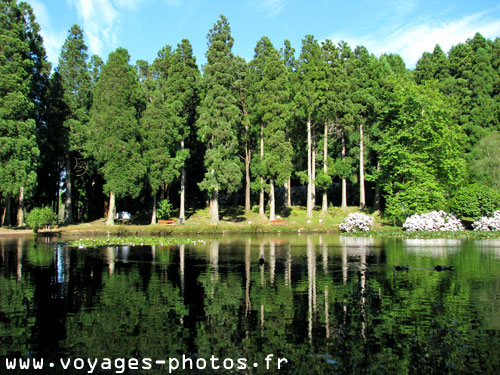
485	160
115	135
422	150
219	117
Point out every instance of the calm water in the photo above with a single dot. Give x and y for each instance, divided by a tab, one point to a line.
326	304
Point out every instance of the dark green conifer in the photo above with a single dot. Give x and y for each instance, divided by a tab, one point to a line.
19	151
219	117
115	136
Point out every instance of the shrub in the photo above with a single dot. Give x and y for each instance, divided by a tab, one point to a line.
488	223
38	217
356	222
474	201
414	198
432	221
164	209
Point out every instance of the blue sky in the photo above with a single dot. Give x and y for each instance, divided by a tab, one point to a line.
144	26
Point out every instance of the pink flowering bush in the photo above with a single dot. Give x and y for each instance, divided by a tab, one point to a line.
433	221
488	223
356	222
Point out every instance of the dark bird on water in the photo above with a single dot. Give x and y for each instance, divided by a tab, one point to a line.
444	268
402	268
261	260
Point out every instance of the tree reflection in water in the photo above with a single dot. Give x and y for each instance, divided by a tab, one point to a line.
329	304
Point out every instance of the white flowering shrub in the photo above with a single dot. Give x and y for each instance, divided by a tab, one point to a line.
433	221
356	222
488	223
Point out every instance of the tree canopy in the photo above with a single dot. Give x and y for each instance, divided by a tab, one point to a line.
361	129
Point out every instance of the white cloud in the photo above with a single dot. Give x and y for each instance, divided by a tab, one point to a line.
402	7
52	40
412	40
101	21
270	7
174	3
273	7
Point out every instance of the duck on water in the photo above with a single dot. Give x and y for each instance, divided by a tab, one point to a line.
444	268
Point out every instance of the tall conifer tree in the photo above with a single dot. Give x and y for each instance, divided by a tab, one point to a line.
115	135
219	116
76	81
247	133
18	63
310	98
271	108
171	87
288	58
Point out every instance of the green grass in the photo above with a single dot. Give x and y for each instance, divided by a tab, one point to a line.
232	220
235	220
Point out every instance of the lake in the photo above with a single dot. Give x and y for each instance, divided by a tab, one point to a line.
320	304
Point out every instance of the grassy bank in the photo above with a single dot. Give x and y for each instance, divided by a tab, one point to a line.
232	220
235	220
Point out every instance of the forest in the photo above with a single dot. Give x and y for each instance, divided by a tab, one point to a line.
324	125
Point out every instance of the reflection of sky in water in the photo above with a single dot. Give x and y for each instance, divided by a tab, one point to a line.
356	241
61	271
123	253
432	246
356	246
489	246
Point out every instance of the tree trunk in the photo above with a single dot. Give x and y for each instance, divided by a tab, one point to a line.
248	157
286	206
182	208
153	215
309	170
20	209
58	195
288	186
324	208
261	195
289	195
376	203
68	209
261	199
111	210
272	201
344	181
313	177
6	212
362	199
214	204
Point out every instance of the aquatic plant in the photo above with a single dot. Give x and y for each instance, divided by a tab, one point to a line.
131	241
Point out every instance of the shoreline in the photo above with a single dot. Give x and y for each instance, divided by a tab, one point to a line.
93	230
